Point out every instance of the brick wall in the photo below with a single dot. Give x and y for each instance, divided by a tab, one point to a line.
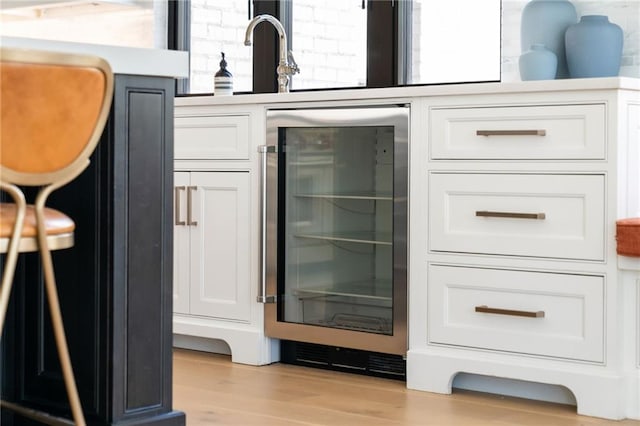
329	43
219	26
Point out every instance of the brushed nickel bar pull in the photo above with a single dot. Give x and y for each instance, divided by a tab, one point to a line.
262	288
538	216
539	132
514	313
190	220
177	190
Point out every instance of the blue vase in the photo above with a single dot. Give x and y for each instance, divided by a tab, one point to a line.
594	47
538	63
545	22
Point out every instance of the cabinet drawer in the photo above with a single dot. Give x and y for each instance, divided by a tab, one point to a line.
553	216
215	138
526	132
548	314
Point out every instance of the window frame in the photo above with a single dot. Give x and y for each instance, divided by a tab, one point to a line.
382	43
265	46
179	34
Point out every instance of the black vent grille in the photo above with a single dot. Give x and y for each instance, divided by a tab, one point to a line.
343	359
314	354
387	364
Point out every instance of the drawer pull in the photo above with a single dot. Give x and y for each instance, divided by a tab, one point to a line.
539	132
538	216
529	314
177	190
190	221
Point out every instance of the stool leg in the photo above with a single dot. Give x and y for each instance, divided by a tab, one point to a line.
61	340
12	252
7	283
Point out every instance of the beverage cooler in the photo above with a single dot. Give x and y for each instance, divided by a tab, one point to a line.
334	236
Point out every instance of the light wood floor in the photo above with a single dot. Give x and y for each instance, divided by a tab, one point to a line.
213	391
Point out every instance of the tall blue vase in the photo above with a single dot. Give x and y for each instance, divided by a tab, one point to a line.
594	47
545	22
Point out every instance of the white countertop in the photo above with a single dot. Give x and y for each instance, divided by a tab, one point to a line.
413	91
123	60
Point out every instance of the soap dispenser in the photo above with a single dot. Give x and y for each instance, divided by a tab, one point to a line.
223	80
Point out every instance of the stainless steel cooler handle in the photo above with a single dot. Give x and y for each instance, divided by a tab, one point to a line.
262	289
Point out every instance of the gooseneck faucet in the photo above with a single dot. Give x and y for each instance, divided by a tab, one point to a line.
287	65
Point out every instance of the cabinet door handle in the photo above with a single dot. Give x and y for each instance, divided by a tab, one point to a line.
177	203
190	221
510	215
534	132
514	313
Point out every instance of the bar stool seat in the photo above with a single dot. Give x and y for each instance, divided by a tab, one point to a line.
58	226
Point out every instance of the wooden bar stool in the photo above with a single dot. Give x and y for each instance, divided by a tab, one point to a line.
54	107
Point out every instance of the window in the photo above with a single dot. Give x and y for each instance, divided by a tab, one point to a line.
216	27
454	41
329	42
346	43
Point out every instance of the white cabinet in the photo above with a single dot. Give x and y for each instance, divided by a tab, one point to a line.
538	215
630	269
532	313
181	245
224	137
518	132
215	233
513	201
211	243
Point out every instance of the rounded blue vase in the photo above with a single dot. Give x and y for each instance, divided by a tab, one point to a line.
545	22
538	63
594	47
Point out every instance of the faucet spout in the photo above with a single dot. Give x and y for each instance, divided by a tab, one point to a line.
284	69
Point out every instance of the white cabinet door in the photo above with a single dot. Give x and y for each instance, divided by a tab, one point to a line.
220	245
181	263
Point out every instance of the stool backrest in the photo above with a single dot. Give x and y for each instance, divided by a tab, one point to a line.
53	107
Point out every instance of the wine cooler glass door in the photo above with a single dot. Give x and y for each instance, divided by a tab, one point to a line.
340	227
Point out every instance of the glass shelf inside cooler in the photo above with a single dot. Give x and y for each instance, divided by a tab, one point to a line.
355	322
363	237
351	196
381	290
